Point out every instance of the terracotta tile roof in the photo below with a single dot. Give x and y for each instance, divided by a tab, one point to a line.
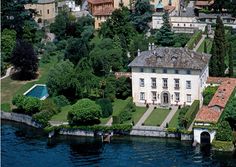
107	11
216	80
169	8
223	93
99	1
204	3
208	115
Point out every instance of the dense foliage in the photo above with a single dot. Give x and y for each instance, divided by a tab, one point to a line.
25	60
181	116
84	112
208	93
106	107
224	132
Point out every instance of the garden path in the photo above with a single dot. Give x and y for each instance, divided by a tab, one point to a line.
199	43
169	116
8	72
145	116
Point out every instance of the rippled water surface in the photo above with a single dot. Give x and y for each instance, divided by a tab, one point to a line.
22	146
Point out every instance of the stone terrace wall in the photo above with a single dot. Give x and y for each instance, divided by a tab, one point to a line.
19	118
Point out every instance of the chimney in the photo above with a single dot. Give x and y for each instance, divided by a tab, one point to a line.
138	52
149	46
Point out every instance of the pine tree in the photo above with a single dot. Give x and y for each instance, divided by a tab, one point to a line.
165	37
231	63
218	50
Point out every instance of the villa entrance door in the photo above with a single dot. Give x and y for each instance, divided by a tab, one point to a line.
165	98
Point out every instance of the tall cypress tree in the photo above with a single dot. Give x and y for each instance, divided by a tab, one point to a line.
217	65
231	61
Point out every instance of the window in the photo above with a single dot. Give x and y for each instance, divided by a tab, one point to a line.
141	82
176	83
48	11
188	98
176	96
142	96
153	70
40	12
188	72
165	83
176	71
188	84
154	82
154	95
184	25
141	69
164	70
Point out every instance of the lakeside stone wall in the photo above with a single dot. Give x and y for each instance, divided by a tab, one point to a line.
76	132
22	118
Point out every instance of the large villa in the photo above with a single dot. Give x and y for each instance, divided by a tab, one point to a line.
169	76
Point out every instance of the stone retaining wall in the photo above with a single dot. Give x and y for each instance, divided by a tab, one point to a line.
76	132
22	118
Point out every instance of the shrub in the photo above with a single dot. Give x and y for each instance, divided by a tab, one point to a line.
61	101
183	111
208	93
224	132
43	117
84	112
194	40
126	113
27	105
191	113
6	107
106	107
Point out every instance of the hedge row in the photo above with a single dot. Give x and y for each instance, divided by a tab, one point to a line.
192	112
95	128
125	113
194	39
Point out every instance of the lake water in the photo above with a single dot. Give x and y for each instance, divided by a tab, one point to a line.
23	146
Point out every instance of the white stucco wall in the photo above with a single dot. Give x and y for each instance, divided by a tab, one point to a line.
194	77
197	134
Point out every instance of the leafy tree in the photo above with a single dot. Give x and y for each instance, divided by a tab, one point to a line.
106	107
62	80
25	60
76	49
8	41
29	32
61	101
216	64
165	37
123	88
229	113
142	15
110	87
84	112
181	39
231	61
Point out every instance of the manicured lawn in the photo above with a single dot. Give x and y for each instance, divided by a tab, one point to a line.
10	87
174	121
157	117
62	116
118	105
137	115
209	45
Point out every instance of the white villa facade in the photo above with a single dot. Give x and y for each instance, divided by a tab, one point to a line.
168	76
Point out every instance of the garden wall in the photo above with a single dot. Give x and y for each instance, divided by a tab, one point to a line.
19	118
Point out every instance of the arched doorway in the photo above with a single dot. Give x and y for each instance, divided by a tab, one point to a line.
165	98
205	138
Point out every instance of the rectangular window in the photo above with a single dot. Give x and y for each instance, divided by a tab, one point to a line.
188	71
188	84
48	11
142	96
165	83
176	96
176	71
176	83
141	82
141	69
154	82
154	95
153	70
189	98
164	70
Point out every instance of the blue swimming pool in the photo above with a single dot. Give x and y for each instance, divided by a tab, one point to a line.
38	91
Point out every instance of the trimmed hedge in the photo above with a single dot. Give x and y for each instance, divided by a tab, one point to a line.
190	114
124	114
95	128
194	40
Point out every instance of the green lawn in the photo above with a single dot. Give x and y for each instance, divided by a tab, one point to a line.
157	117
118	105
209	45
62	116
137	115
174	121
10	87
